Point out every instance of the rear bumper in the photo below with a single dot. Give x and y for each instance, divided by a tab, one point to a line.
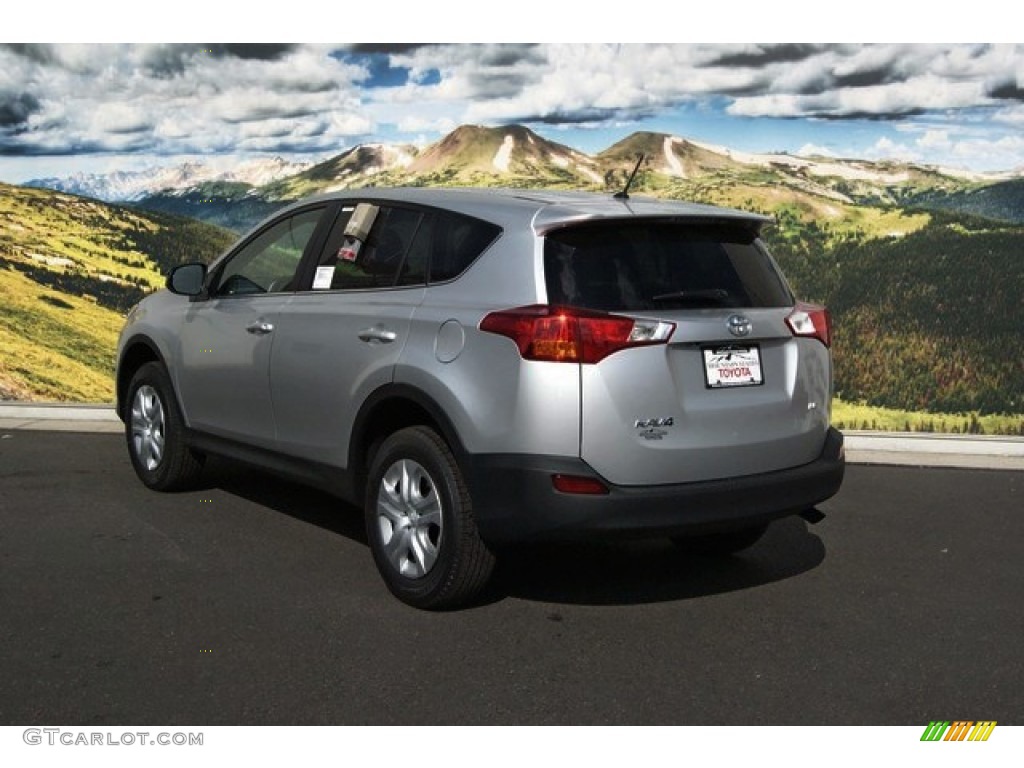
514	499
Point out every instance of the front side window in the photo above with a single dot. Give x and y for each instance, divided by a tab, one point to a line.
269	263
641	266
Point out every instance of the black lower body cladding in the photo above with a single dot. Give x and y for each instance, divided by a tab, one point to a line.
515	501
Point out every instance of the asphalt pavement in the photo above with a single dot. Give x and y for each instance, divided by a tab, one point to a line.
255	601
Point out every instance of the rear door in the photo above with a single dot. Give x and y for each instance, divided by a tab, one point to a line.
732	393
347	326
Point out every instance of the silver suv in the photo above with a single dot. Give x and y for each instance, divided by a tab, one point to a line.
476	368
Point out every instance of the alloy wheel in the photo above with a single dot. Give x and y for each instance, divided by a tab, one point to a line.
409	518
148	428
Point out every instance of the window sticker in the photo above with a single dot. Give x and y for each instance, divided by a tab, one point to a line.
349	251
323	278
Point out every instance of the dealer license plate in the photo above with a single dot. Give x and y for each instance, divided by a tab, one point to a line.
732	366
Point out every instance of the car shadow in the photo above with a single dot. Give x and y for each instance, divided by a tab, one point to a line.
633	571
652	570
282	495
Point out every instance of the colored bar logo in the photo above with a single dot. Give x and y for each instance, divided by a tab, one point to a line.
959	730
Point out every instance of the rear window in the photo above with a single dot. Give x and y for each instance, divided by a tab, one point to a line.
636	266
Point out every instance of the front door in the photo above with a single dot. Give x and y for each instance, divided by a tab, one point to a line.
227	339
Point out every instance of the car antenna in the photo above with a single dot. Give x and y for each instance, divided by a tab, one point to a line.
624	194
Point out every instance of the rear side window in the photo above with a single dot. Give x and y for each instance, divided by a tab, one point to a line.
458	240
636	266
404	247
380	261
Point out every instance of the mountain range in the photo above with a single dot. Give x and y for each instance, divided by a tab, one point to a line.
129	186
515	156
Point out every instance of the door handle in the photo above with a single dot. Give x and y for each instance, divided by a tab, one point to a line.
260	327
377	335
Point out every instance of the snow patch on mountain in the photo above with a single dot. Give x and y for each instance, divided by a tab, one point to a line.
966	175
391	157
674	166
52	261
504	154
850	170
751	158
401	158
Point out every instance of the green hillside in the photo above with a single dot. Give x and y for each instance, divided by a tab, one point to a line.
932	321
1003	201
926	305
231	205
70	268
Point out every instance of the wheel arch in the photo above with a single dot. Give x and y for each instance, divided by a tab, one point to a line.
136	352
385	411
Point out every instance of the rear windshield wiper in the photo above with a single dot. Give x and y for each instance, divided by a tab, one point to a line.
714	295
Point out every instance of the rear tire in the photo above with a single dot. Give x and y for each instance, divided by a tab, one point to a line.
420	523
155	433
720	544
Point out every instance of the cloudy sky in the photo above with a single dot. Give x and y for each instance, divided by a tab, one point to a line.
67	108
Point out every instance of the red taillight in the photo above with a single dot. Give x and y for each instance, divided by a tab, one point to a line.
811	320
569	335
589	486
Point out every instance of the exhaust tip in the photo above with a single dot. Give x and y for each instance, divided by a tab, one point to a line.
813	515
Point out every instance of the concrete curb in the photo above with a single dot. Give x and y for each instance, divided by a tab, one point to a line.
931	450
60	417
901	448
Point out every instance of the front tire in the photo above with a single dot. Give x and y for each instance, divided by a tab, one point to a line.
155	433
420	523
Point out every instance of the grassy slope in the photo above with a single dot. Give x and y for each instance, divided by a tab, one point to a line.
59	344
51	352
870	417
223	204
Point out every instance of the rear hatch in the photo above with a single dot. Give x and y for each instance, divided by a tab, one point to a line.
729	376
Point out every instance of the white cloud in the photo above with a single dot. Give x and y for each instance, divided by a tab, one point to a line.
809	150
934	139
884	100
887	149
944	148
417	124
172	99
1003	153
949	101
1010	116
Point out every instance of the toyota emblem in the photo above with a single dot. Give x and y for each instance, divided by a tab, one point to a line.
739	325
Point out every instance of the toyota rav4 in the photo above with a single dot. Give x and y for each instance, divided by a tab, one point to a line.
475	368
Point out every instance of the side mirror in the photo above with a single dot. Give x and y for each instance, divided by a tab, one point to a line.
187	279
